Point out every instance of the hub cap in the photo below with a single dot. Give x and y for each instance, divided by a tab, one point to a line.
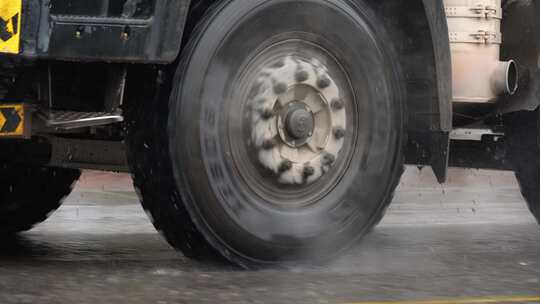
298	120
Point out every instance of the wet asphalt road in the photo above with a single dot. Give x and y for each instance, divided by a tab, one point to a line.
473	238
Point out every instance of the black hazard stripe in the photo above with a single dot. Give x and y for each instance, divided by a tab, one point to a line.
12	120
5	34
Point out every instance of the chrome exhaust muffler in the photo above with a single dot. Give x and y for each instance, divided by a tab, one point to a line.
478	75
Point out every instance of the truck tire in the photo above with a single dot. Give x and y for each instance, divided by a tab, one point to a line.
282	139
28	195
523	142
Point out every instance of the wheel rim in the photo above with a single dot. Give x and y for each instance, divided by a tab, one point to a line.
298	123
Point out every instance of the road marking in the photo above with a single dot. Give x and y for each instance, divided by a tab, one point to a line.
482	300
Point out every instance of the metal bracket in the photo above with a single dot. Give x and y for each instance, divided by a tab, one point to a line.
486	37
480	37
480	11
88	154
487	11
471	134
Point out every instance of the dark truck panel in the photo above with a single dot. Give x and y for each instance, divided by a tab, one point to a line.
147	31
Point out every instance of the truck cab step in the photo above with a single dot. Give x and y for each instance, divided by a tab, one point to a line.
67	120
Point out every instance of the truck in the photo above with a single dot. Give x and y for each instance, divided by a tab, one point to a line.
263	132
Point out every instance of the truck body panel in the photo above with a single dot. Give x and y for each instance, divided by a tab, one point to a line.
107	31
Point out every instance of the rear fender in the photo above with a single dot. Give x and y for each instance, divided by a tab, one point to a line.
419	33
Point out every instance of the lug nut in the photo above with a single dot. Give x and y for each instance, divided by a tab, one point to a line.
328	159
285	166
339	133
337	104
269	144
309	171
280	88
278	64
267	114
323	82
301	76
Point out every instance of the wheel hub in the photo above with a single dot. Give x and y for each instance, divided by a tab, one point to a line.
299	123
298	120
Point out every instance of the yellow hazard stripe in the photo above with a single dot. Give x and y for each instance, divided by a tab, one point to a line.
482	300
12	120
10	26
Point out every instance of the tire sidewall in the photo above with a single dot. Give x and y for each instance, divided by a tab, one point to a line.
209	189
29	194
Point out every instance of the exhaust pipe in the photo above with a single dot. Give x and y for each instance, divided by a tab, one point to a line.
504	79
478	75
